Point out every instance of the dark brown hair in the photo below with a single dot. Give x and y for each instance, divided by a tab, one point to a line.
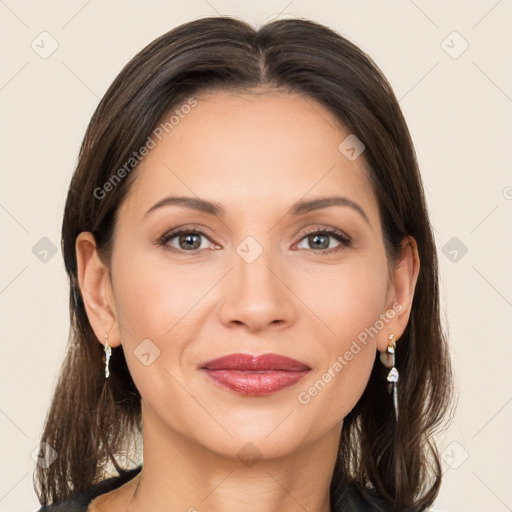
93	420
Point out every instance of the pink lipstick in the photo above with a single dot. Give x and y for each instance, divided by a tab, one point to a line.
255	375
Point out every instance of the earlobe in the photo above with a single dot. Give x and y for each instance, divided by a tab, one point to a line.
96	290
402	291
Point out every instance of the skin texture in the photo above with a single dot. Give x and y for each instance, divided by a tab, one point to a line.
256	154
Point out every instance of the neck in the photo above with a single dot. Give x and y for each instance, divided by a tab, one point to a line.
181	475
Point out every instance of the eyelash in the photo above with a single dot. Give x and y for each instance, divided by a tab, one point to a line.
341	237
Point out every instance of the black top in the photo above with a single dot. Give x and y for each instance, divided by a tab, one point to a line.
349	501
81	502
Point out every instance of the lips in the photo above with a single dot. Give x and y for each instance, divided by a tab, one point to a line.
255	375
246	362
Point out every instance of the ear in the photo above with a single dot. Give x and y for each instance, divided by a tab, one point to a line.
96	289
400	293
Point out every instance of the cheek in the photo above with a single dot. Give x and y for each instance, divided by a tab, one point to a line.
350	301
151	299
348	297
156	303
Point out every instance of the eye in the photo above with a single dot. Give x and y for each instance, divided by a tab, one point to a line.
187	239
320	240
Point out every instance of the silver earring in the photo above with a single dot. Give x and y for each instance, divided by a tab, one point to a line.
108	353
388	360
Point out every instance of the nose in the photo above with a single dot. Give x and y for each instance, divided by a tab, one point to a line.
258	296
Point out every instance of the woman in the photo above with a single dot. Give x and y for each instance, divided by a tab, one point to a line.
254	286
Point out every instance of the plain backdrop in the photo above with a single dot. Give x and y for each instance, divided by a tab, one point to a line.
450	65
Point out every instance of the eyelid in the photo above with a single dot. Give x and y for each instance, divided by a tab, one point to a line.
344	239
172	233
329	230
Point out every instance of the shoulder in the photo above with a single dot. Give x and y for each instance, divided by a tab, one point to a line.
80	502
351	498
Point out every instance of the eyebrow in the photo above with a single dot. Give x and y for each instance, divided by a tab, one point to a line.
299	208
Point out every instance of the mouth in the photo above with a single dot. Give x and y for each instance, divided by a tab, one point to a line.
255	375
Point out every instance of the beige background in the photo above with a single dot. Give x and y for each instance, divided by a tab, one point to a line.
459	110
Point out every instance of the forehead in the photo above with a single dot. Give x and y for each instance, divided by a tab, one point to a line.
250	149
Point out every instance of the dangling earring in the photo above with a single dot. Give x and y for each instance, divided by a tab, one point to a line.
108	352
388	359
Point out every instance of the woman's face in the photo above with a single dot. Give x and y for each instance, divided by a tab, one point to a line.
256	280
